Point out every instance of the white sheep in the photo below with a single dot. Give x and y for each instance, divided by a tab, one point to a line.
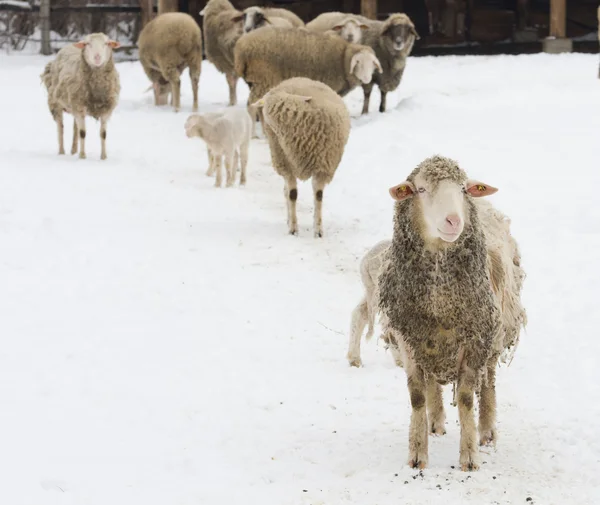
82	80
227	134
449	289
347	26
257	17
307	125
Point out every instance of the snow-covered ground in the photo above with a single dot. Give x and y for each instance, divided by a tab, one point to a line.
168	343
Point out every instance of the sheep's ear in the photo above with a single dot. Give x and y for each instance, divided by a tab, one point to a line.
363	27
337	28
377	64
413	30
81	44
114	44
237	18
477	188
402	191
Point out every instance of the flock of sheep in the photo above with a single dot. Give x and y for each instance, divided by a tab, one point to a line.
446	287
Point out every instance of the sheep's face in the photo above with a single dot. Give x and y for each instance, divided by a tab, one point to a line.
97	49
399	37
441	205
363	64
191	125
350	30
253	18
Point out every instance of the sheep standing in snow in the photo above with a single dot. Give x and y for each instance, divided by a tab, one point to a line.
227	134
392	41
168	45
307	125
222	28
83	81
347	26
257	17
449	290
266	57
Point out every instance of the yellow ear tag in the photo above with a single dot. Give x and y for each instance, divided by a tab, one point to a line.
480	187
402	188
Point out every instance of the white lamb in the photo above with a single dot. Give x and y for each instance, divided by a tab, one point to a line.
227	134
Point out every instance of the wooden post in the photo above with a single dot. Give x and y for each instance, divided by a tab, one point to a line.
368	8
167	6
45	21
558	18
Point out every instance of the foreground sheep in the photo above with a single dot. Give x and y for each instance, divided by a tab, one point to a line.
392	41
82	80
307	126
227	134
347	26
257	17
168	45
266	57
222	28
450	294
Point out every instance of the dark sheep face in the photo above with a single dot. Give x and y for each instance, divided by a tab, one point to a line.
253	20
398	37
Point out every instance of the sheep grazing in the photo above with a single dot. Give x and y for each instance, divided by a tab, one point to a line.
449	290
347	26
82	80
307	126
222	28
392	41
167	45
257	17
365	312
266	57
227	134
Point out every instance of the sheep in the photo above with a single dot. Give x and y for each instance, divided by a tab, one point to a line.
449	290
307	126
365	311
257	17
226	133
347	26
392	41
222	28
82	80
167	45
266	57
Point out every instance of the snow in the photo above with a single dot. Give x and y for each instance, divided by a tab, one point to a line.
167	342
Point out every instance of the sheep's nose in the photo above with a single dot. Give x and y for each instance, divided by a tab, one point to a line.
97	58
350	38
453	220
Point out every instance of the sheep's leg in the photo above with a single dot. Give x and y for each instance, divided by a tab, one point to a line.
75	143
243	161
195	78
357	327
174	77
211	163
382	103
229	168
291	195
487	406
318	186
103	121
417	436
60	125
469	449
80	119
232	82
435	407
217	164
367	88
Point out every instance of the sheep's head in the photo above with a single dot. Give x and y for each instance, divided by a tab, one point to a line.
399	33
439	189
350	29
363	64
252	18
97	49
193	126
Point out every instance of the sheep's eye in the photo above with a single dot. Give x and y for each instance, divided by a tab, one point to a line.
421	190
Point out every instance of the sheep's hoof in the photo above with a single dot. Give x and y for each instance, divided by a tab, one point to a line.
356	362
417	463
242	182
381	109
469	461
61	151
294	232
74	151
82	156
318	234
437	429
488	437
103	156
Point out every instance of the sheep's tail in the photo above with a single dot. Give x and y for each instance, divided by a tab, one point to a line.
46	76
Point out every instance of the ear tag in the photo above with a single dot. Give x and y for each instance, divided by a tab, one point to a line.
480	187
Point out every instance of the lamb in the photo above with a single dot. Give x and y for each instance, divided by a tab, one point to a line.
167	45
392	41
347	26
307	126
266	57
257	17
222	28
226	133
82	80
449	290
